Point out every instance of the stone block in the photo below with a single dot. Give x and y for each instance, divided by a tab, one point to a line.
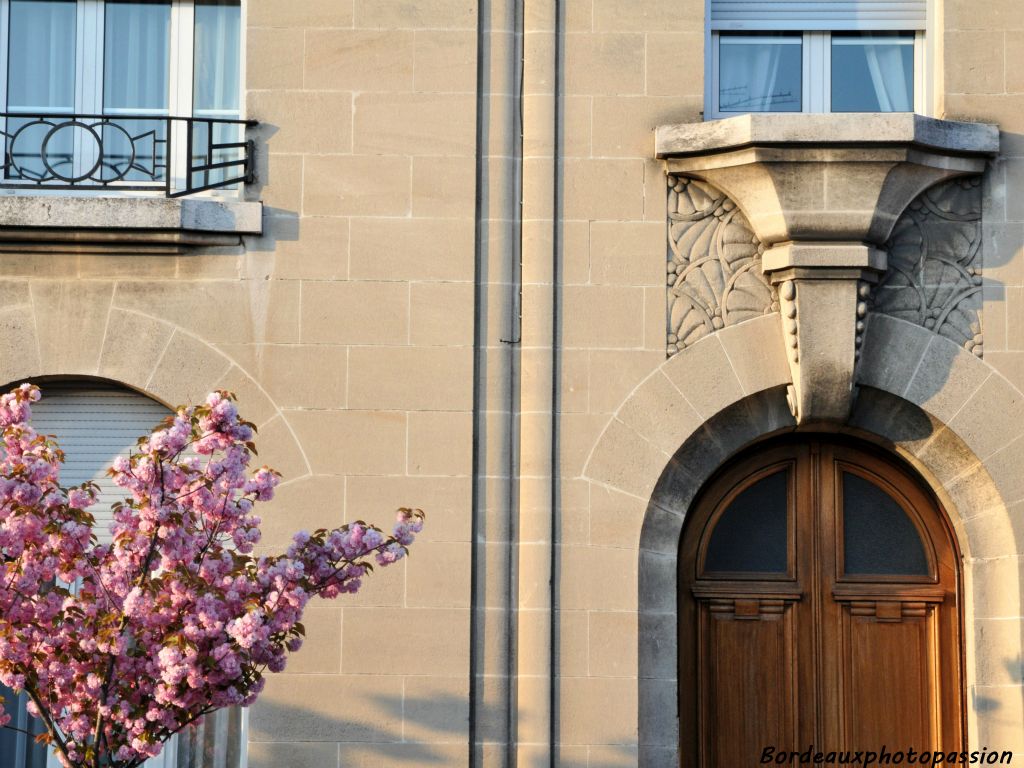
445	61
606	64
1000	713
290	754
658	634
321	650
974	61
891	353
436	709
273	58
357	312
1014	42
377	641
356	186
615	518
947	377
991	418
71	321
996	588
997	649
614	374
572	655
281	183
441	314
658	579
704	375
318	252
18	345
428	14
280	449
253	402
358	60
602	316
660	414
446	501
415	124
597	578
308	503
598	710
187	371
624	125
304	708
411	378
613	644
756	351
437	575
604	190
412	249
313	122
132	346
674	64
312	13
429	431
300	375
625	461
627	253
443	187
352	442
648	16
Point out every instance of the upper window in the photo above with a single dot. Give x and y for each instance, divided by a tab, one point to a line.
101	93
839	56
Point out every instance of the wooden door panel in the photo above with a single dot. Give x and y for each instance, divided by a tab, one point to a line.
746	704
888	675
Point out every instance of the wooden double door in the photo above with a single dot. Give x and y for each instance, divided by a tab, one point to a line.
818	606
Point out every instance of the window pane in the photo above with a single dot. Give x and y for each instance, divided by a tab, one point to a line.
217	57
42	56
136	56
878	537
872	72
751	535
761	73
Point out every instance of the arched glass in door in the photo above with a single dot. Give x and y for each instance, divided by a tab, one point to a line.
818	604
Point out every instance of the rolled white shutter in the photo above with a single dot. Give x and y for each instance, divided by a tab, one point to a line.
94	423
770	15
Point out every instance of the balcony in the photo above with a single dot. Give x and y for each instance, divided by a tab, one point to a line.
125	180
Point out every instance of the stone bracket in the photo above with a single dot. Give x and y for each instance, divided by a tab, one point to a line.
823	288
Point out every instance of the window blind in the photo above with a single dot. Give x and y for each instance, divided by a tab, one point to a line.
94	423
768	15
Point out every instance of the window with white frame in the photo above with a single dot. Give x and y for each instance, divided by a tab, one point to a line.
95	422
816	56
91	86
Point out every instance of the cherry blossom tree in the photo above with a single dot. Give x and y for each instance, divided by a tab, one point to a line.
120	645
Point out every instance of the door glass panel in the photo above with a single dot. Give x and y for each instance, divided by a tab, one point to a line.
752	534
216	90
878	537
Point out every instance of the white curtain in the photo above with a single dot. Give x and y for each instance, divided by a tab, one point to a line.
42	55
137	55
889	77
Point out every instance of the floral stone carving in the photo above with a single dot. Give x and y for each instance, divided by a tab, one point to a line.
934	275
714	264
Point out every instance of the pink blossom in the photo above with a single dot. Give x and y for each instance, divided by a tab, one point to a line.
175	617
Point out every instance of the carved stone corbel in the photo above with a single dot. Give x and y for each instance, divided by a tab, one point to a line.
822	194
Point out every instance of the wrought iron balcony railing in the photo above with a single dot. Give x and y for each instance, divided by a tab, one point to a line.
175	155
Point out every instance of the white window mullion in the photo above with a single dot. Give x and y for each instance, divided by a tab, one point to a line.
88	77
182	46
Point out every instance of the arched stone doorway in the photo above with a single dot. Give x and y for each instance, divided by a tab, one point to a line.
819	604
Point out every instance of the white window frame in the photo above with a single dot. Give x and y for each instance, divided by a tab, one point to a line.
816	73
90	53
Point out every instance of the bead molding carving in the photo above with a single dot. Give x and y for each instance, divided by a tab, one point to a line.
714	264
934	275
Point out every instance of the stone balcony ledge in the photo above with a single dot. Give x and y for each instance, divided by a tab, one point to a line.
826	130
138	223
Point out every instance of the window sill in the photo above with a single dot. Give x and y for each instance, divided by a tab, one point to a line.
117	224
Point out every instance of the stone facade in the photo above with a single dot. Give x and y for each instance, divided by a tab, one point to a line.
440	315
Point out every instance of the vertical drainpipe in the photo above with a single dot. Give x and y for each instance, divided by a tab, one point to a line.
538	461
